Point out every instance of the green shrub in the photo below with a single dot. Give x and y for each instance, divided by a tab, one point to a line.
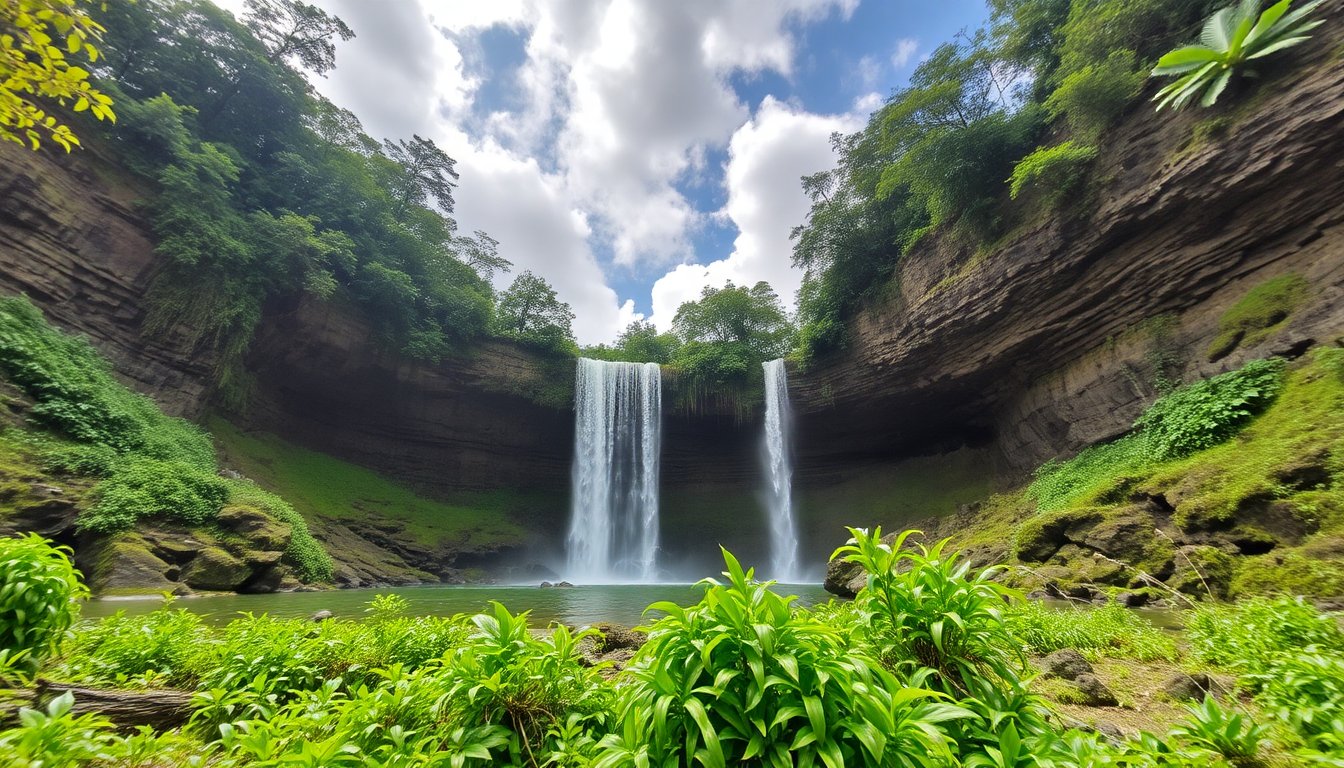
742	679
531	689
1249	636
1258	314
141	487
1111	631
1208	412
162	646
39	587
1208	726
1054	171
55	738
1091	98
925	610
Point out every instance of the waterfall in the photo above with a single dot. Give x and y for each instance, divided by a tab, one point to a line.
613	533
779	472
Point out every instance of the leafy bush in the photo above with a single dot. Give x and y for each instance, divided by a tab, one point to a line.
1304	688
529	689
1092	97
1189	419
141	487
55	738
925	610
1231	37
1054	171
39	587
1231	735
1249	636
1110	630
160	646
1208	412
741	679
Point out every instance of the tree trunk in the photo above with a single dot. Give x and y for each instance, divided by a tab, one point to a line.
161	709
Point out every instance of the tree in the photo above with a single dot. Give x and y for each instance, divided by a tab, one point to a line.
531	312
299	33
480	251
426	173
37	39
750	317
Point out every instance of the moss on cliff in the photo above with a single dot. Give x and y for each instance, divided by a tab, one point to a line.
1261	312
324	488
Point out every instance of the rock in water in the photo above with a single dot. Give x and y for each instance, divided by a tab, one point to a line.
320	616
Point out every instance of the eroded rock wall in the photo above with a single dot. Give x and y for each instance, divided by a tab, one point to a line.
1046	343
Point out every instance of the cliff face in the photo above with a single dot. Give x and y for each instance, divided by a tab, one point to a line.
1053	339
465	425
72	239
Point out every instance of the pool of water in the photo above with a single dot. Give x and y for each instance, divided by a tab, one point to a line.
576	606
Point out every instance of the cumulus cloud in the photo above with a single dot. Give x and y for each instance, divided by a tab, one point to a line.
620	103
906	48
767	157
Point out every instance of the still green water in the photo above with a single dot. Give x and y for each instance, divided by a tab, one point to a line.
576	606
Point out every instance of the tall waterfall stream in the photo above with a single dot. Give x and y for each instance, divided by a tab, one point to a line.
613	534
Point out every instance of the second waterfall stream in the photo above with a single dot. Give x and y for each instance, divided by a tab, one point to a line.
779	475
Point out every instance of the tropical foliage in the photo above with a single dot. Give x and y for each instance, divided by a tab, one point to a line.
42	43
922	670
146	465
39	589
1231	38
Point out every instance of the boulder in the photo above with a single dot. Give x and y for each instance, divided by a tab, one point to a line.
1066	664
214	569
1092	692
1202	571
844	579
1185	687
256	525
615	636
320	616
125	564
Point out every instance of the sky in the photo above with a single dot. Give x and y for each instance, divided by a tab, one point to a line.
633	152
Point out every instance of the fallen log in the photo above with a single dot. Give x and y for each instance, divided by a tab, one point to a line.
161	709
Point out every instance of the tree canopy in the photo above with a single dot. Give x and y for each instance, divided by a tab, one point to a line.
530	311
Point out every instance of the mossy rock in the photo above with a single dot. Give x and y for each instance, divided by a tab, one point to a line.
124	564
215	569
1040	537
1202	571
256	526
1291	573
1262	311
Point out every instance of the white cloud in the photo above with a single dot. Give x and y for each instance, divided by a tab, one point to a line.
622	101
767	156
906	48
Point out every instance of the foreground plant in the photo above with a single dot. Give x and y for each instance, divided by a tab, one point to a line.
39	587
1231	38
743	679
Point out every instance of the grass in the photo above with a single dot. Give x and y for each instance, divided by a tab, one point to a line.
325	488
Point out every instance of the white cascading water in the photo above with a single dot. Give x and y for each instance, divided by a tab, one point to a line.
779	475
613	531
